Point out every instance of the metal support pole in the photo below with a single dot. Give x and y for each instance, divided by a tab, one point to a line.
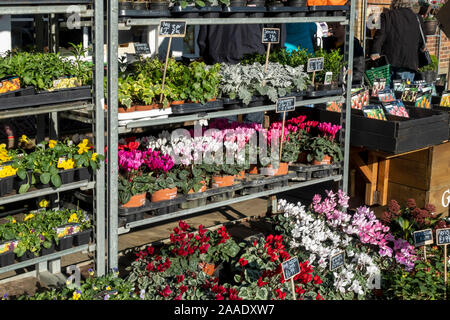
112	199
53	45
99	126
346	112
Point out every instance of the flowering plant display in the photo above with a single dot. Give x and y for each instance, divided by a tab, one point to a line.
37	229
404	220
325	144
172	272
259	274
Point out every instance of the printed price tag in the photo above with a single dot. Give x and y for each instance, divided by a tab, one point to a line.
172	28
67	230
285	104
423	237
315	64
443	236
290	268
61	160
328	77
337	260
141	48
271	35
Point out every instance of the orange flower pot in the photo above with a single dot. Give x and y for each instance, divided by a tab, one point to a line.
177	102
253	169
164	194
282	168
202	189
240	175
126	110
207	268
136	201
213	99
146	108
222	181
325	160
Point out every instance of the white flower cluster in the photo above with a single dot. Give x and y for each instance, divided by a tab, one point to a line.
313	234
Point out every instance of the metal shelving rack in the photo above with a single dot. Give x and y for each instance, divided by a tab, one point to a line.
94	10
114	130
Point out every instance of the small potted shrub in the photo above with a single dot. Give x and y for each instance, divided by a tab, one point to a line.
323	149
164	183
429	72
124	93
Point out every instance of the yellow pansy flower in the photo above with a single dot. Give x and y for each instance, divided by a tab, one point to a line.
24	139
94	156
69	164
76	295
73	218
108	288
43	203
83	147
13	221
7	171
52	144
28	216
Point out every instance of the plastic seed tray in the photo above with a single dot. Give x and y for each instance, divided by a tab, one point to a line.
257	183
27	98
306	172
196	107
156	208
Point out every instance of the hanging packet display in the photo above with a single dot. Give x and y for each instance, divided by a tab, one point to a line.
396	108
374	112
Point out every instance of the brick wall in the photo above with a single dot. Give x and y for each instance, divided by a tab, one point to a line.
432	41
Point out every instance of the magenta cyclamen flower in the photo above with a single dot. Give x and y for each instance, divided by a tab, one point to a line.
155	161
328	129
130	160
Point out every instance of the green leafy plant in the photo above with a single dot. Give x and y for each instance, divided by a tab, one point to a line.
321	146
431	67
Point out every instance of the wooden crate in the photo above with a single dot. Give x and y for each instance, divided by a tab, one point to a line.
422	175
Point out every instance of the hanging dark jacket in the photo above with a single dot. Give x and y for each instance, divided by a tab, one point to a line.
229	43
399	38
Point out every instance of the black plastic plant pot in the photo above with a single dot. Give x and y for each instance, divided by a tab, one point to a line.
26	256
82	238
139	6
67	176
64	243
297	3
158	6
6	185
46	251
238	3
19	182
126	5
83	174
6	259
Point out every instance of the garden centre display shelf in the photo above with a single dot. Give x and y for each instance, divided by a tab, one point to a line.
94	106
114	129
184	213
40	259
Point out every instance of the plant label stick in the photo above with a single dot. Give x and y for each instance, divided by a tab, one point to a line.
443	239
170	29
337	260
284	105
422	238
315	64
269	36
291	268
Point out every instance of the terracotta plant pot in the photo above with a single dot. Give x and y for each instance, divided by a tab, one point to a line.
325	160
222	181
202	189
164	194
240	175
302	157
126	110
282	168
177	102
146	108
213	99
136	201
253	169
207	268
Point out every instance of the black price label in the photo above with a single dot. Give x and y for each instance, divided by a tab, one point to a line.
291	268
271	35
443	236
172	28
337	260
423	237
285	104
315	64
141	48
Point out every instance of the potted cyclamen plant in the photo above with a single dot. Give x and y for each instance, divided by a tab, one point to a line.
323	149
164	183
133	181
222	175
